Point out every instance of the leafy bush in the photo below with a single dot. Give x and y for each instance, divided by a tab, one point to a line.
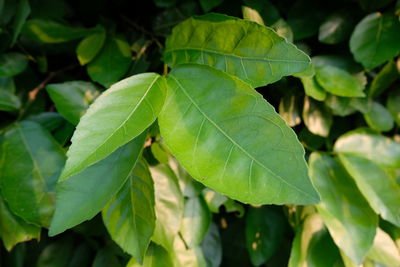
146	135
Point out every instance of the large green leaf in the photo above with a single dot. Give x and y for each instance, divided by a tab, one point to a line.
313	246
72	99
156	256
365	143
384	250
8	101
12	64
130	216
31	161
350	220
89	47
317	117
195	221
111	63
13	229
378	117
51	32
339	82
227	43
377	184
202	124
81	196
183	256
169	205
375	39
265	228
117	116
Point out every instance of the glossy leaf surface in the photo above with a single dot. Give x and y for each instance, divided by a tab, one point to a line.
224	42
207	139
72	99
31	163
130	216
81	196
118	115
375	39
343	208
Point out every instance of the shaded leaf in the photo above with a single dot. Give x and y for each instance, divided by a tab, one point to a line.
8	101
289	111
386	76
57	254
12	64
343	208
393	105
379	118
72	98
81	196
223	42
130	216
22	13
336	28
121	113
313	89
207	5
208	141
105	258
156	256
317	117
31	163
340	106
90	47
211	246
375	39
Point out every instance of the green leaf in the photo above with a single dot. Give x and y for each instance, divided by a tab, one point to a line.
164	3
339	61
90	47
214	199
72	99
341	106
189	186
7	84
183	256
12	64
336	28
111	63
339	82
57	254
368	144
224	42
207	5
169	205
51	32
317	117
31	163
379	118
8	101
156	256
212	247
195	221
384	250
23	11
393	105
81	196
313	246
105	258
313	89
13	229
350	220
375	39
121	113
377	184
237	166
371	5
135	200
384	79
265	228
289	110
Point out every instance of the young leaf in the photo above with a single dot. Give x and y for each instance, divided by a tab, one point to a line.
343	208
72	99
379	118
317	117
81	196
208	140
89	47
313	89
8	101
12	64
368	144
13	229
118	115
386	77
265	228
223	42
169	205
51	32
339	82
112	62
377	184
375	39
195	221
31	163
132	232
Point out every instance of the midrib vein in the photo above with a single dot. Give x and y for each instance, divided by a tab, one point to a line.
235	143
